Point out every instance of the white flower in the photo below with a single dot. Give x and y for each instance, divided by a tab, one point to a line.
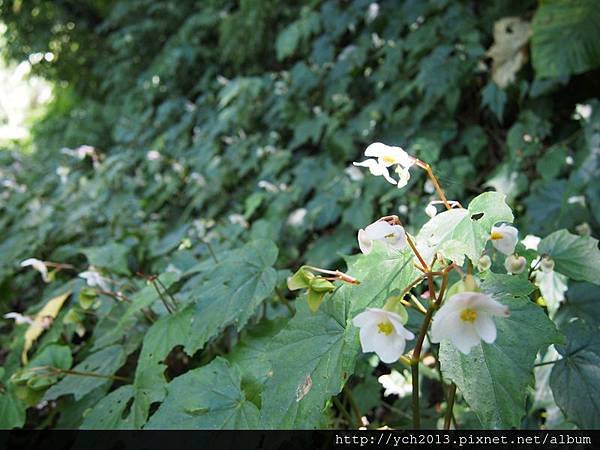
296	217
384	157
85	150
392	236
353	173
94	279
18	318
504	238
396	383
372	12
382	332
268	186
153	155
466	318
531	242
38	265
63	173
515	264
583	111
238	219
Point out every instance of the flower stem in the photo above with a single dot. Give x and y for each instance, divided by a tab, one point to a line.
451	396
353	404
427	168
343	411
55	370
416	252
416	357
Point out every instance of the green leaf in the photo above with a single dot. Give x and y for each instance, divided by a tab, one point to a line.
460	232
575	378
105	362
565	37
312	358
493	378
112	257
12	410
314	299
37	375
251	355
109	412
144	298
575	256
494	98
583	301
210	397
235	289
498	284
168	332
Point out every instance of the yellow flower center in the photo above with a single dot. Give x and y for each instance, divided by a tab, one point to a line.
468	315
388	159
385	327
496	235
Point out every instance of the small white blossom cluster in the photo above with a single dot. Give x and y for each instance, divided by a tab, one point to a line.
94	279
383	158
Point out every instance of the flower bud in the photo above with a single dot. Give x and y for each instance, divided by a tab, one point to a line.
484	263
431	210
547	264
515	264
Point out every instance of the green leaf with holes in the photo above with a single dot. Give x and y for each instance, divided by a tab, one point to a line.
110	412
460	231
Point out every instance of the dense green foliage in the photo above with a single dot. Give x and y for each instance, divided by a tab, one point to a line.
223	134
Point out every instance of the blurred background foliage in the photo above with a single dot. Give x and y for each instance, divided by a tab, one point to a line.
220	122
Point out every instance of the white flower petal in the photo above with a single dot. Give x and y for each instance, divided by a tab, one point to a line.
364	243
404	176
485	327
508	240
368	334
389	348
399	328
466	339
378	230
443	325
376	169
485	303
365	319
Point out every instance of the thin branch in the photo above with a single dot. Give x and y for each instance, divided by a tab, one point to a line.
450	406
